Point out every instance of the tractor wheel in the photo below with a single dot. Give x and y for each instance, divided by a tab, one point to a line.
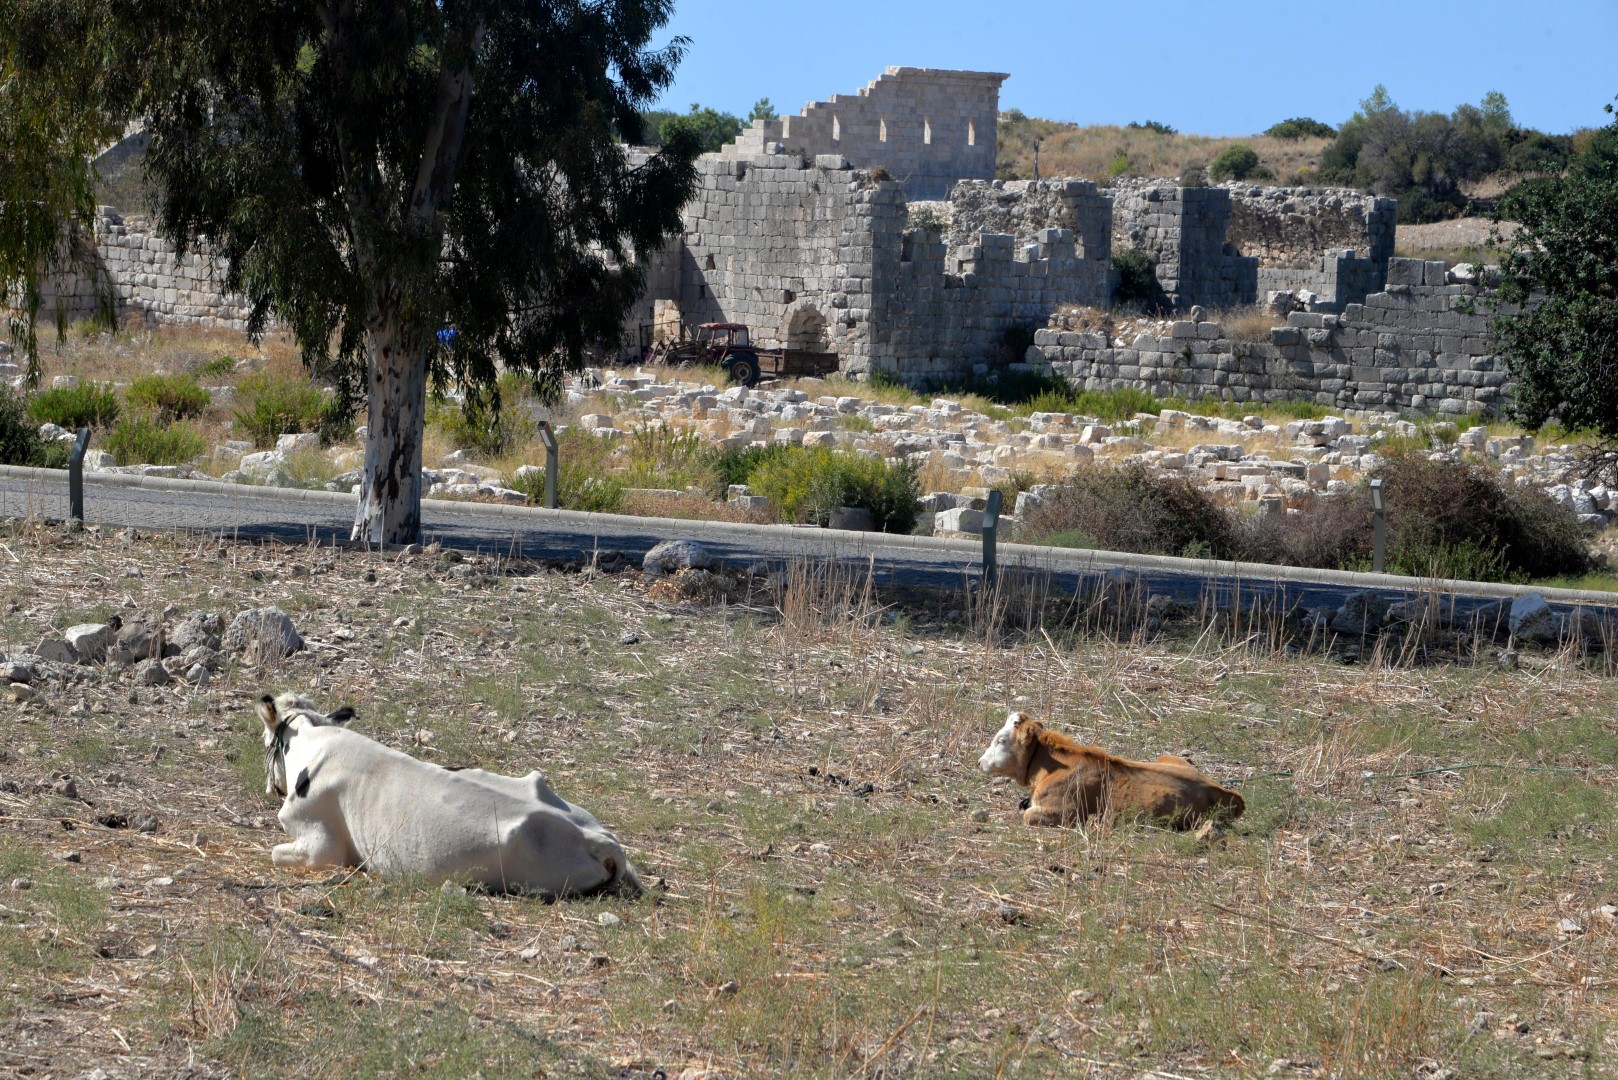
744	369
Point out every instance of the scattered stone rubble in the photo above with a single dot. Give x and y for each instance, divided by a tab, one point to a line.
1272	468
149	653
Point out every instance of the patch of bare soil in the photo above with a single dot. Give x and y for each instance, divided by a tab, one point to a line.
1423	884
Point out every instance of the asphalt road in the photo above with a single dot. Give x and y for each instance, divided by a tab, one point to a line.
243	512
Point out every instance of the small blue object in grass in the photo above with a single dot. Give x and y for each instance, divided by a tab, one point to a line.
446	336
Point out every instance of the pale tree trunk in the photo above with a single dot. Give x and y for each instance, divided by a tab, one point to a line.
389	511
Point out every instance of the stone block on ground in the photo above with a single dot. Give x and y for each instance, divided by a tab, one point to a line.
263	633
671	556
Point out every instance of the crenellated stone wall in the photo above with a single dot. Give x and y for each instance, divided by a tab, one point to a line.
926	126
1420	346
820	256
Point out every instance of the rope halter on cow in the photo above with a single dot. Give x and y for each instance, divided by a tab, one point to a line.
275	757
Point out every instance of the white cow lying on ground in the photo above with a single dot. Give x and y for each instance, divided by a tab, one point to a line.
350	801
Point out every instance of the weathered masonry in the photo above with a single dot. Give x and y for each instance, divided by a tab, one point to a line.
928	128
141	274
1422	345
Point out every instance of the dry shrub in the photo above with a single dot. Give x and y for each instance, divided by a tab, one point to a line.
1134	509
692	585
688	506
1251	323
1444	519
1332	533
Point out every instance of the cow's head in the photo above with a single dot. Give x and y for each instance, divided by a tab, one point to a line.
282	716
1011	748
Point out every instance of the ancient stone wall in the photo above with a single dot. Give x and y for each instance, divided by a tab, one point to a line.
927	127
771	243
946	308
1288	228
1417	347
142	273
1183	230
1027	208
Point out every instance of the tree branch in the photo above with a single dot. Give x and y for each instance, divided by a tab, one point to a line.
435	175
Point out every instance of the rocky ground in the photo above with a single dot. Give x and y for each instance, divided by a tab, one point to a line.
1422	885
1269	464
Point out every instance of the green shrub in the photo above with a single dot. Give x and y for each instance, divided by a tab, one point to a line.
167	398
20	443
480	428
1134	509
1137	279
583	479
1235	162
808	483
276	405
1119	165
1154	126
140	441
1015	341
734	464
218	366
1300	127
661	457
88	404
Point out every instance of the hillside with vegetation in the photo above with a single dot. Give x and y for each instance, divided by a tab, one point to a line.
1438	165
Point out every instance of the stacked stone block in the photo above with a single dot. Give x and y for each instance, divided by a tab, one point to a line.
927	127
768	241
1183	230
1027	208
1420	346
144	275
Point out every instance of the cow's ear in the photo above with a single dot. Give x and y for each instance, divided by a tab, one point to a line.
266	712
341	716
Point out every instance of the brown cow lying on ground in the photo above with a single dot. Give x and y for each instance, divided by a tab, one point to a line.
1070	782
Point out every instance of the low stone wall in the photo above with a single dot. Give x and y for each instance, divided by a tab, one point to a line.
143	275
1420	346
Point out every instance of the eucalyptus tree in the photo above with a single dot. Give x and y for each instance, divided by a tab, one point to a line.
418	190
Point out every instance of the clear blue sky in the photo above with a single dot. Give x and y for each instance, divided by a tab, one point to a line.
1220	67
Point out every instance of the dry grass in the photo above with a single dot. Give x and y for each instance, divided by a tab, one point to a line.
1072	150
1249	323
845	894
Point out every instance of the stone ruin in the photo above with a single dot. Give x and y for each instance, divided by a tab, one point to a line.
869	225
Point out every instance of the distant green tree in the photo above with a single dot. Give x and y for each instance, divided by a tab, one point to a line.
1496	113
1300	127
1557	325
1154	126
1235	162
1420	158
762	110
709	128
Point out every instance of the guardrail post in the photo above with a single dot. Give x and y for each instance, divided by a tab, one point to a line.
991	529
75	476
548	437
1379	527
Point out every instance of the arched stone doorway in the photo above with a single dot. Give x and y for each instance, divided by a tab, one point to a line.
807	330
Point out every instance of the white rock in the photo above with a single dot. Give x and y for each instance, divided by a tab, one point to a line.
90	641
